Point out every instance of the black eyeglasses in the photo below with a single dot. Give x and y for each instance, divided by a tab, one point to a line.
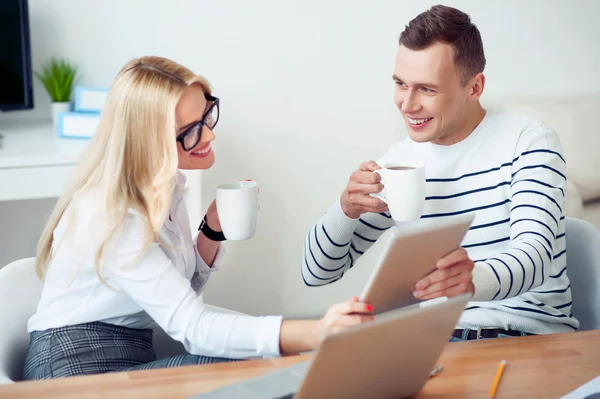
192	135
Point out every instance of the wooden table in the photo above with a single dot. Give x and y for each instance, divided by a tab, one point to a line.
538	367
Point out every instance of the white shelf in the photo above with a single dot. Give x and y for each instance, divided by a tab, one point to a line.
36	144
35	163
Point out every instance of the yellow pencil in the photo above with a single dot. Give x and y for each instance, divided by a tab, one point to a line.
497	379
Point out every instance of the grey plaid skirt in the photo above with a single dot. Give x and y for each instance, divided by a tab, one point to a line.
94	348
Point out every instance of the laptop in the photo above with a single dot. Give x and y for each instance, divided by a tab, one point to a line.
391	357
403	256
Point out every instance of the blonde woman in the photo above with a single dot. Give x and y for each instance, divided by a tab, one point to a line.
117	255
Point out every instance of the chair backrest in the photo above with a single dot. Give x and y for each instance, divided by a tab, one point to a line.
583	262
20	291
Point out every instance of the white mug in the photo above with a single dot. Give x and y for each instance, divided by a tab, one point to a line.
404	189
237	207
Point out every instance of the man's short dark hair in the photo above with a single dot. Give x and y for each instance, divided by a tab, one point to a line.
451	26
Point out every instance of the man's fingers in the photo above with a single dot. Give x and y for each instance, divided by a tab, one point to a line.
362	184
355	188
444	285
455	290
456	256
360	176
436	276
370	166
362	202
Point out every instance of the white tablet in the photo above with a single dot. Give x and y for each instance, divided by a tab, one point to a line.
403	257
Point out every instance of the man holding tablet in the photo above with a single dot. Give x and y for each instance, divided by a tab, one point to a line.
506	169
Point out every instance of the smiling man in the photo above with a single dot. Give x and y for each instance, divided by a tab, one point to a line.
505	168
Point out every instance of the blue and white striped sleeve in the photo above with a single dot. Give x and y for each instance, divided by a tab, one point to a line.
537	195
333	245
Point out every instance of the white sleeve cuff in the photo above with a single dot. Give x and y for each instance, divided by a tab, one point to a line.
337	223
203	271
201	266
485	282
267	338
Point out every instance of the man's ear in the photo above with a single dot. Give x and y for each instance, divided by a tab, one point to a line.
476	86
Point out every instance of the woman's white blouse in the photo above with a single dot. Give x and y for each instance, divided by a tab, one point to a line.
162	286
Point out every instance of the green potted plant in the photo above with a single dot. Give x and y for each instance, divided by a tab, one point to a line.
58	77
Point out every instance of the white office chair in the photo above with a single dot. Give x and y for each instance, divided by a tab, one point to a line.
20	291
583	269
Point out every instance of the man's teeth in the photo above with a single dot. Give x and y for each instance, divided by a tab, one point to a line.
418	121
204	151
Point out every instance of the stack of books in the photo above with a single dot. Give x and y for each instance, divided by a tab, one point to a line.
83	120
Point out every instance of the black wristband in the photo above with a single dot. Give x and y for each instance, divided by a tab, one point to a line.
210	233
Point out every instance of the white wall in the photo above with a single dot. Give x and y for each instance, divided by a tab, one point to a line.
306	95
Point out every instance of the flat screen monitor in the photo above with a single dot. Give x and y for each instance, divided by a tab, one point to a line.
16	80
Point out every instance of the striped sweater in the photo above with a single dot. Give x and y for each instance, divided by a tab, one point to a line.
511	173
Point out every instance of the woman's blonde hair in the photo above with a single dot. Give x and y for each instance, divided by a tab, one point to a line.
132	157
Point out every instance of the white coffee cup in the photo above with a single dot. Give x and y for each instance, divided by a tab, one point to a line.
237	207
404	189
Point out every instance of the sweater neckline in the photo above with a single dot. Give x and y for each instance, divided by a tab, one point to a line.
458	147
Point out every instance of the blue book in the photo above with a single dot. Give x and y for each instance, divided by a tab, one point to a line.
89	99
77	124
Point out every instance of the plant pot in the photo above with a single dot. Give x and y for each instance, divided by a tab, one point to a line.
59	107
